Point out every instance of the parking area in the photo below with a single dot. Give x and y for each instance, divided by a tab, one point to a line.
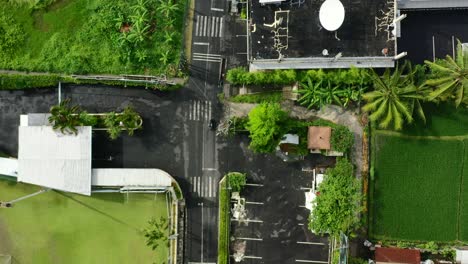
426	35
275	229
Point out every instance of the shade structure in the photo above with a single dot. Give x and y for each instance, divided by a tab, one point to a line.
332	14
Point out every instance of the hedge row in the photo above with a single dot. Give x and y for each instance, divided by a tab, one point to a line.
22	81
347	77
240	76
28	81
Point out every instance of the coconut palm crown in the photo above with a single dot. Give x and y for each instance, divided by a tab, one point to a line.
450	78
395	98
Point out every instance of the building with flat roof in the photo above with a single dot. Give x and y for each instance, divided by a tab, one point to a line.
296	34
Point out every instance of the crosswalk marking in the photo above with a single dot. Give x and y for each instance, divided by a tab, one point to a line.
199	110
204	186
207	26
206	57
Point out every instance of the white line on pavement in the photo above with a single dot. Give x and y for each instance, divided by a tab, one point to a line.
217	9
254	184
311	261
212	26
248	220
210	190
196	27
221	25
209	110
250	238
204	25
208	60
201	43
311	243
205	55
254	203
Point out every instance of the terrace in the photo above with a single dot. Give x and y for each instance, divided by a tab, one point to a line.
365	38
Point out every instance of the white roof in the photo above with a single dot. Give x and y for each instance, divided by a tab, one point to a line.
290	139
9	167
54	160
131	177
332	14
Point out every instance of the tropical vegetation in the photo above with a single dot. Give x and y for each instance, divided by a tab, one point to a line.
396	97
156	233
101	36
66	119
338	203
266	127
449	78
341	87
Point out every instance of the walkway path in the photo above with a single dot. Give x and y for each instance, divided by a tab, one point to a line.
332	113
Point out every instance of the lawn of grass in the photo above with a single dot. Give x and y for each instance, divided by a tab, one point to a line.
442	120
56	227
416	189
85	36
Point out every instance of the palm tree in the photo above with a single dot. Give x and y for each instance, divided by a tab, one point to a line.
65	118
332	94
167	7
450	80
165	57
395	98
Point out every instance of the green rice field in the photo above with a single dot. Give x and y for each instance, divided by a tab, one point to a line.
419	181
56	227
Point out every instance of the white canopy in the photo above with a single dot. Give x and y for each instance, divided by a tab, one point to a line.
332	14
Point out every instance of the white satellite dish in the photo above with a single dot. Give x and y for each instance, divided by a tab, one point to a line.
332	14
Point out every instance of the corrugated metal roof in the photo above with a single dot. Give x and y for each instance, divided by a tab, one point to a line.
131	177
53	160
432	4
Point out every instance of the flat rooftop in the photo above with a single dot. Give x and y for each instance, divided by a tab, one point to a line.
358	39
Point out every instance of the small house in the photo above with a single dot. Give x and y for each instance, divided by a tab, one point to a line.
394	255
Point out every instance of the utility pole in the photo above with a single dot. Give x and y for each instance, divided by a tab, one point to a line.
10	203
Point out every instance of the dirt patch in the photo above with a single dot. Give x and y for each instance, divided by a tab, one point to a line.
6	244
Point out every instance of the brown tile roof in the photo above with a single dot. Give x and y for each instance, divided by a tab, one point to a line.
319	137
397	255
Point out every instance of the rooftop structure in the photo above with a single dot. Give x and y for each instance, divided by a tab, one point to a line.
397	255
431	4
53	160
318	138
293	35
63	162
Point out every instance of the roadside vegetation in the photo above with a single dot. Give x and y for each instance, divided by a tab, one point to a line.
100	36
339	202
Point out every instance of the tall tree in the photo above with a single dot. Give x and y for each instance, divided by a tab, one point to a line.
266	126
395	98
450	78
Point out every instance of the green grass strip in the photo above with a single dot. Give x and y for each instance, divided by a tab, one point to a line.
224	222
